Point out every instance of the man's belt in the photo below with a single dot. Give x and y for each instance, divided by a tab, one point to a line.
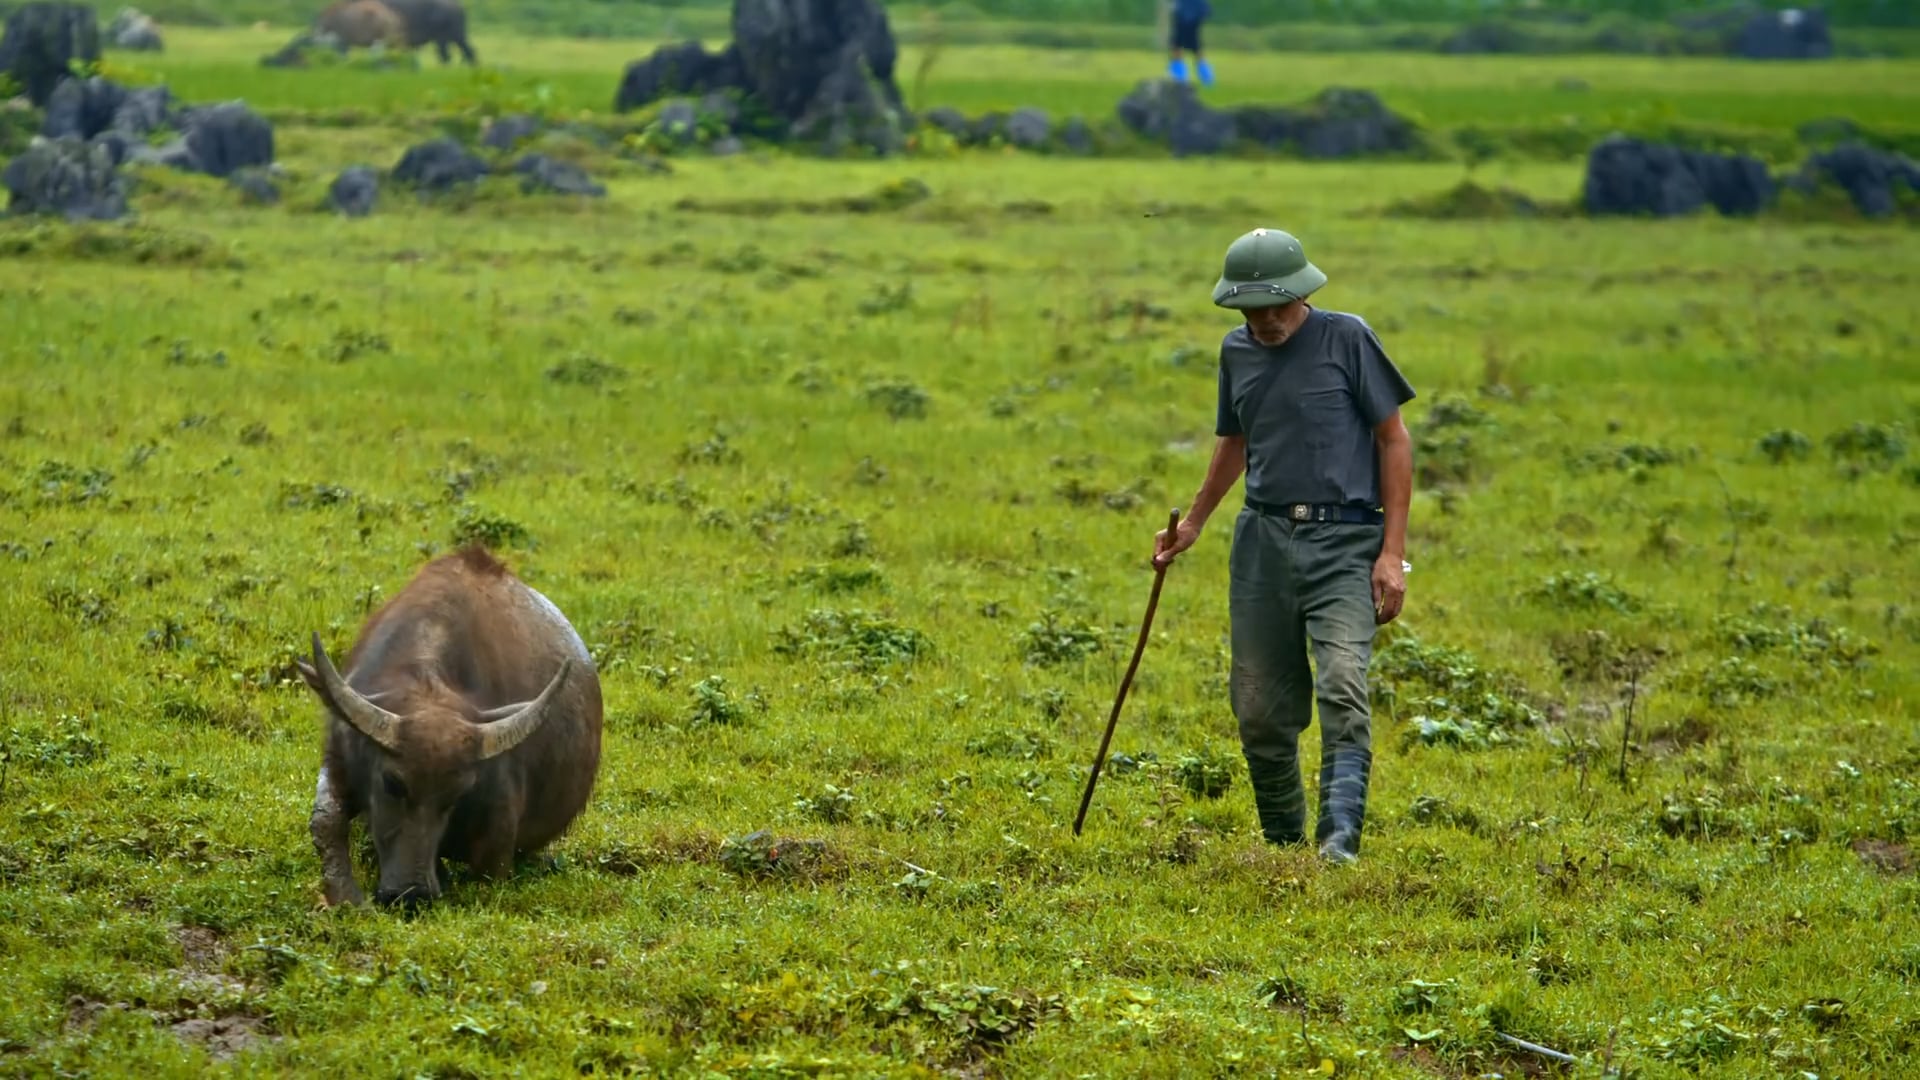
1350	515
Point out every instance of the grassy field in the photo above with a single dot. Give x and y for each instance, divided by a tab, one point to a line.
570	75
854	510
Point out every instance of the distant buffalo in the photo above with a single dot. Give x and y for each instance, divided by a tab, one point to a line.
361	24
439	23
467	728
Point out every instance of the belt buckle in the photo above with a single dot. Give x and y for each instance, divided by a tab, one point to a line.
1301	511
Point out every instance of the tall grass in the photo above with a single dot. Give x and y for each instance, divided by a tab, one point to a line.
854	512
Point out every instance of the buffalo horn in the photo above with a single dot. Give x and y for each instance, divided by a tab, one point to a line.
373	721
511	730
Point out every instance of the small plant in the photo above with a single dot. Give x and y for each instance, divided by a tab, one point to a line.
1055	640
1205	774
1781	446
854	638
1586	591
831	805
900	399
474	526
714	450
714	702
583	369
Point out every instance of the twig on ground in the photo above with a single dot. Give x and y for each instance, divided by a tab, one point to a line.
1536	1048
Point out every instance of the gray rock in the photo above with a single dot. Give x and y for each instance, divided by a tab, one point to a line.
1872	178
135	31
175	154
1077	137
438	166
1029	128
542	174
67	177
684	68
1787	34
825	67
226	137
679	119
355	191
507	132
726	146
1337	123
86	108
41	42
1171	112
256	185
1634	176
950	120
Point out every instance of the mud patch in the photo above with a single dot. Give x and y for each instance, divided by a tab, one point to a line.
1884	856
202	948
224	1036
220	1036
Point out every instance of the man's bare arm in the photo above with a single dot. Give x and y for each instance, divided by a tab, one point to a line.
1229	461
1396	492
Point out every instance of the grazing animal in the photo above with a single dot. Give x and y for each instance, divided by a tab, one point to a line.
466	728
361	24
439	23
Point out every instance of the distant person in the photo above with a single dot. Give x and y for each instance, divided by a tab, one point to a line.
1187	17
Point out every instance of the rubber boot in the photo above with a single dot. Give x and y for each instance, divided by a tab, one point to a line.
1280	799
1205	71
1344	771
1177	69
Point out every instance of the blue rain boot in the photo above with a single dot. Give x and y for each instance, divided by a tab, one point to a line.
1177	70
1206	72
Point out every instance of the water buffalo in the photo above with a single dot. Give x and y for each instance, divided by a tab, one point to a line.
439	23
360	24
466	728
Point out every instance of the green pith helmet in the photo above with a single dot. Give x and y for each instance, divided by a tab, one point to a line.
1263	268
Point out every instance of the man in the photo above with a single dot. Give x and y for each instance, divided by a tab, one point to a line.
1187	17
1309	409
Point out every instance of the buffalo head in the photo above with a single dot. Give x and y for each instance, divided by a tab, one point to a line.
429	746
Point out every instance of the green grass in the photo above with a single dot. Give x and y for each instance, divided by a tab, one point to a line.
224	427
1441	92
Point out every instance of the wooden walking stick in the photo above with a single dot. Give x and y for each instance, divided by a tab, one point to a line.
1153	601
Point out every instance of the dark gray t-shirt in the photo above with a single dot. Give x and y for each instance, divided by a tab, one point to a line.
1310	440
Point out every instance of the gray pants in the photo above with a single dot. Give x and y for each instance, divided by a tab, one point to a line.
1295	587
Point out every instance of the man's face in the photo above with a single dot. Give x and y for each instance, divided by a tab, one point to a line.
1273	325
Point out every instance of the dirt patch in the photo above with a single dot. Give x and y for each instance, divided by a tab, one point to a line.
83	1012
222	1036
1690	732
202	948
225	1036
1884	856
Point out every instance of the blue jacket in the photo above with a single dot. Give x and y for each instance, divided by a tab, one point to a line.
1191	10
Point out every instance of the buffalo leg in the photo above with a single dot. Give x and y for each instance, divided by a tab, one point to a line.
492	859
329	825
441	48
466	50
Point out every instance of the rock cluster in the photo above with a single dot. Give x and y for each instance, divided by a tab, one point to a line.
94	126
1638	177
1027	128
812	71
135	31
42	41
1337	123
442	166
